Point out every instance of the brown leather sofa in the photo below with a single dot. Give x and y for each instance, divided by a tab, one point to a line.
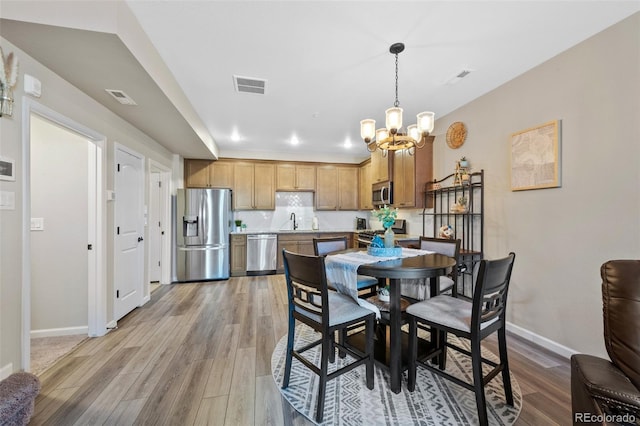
608	392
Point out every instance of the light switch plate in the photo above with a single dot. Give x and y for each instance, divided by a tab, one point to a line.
37	224
7	200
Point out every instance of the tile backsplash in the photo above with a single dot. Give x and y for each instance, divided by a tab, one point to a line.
303	206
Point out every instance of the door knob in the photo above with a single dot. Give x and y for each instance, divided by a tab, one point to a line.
140	239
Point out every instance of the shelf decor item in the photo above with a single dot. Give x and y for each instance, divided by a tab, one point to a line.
387	216
383	294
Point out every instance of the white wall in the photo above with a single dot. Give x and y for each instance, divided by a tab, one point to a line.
59	260
561	236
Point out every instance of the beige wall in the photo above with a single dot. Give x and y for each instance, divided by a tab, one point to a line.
561	236
60	96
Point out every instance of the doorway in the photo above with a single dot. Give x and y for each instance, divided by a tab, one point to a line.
67	201
159	225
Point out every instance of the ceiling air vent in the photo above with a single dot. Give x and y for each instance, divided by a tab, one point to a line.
249	84
459	76
121	97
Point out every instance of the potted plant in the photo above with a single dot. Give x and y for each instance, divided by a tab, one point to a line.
387	216
464	163
238	225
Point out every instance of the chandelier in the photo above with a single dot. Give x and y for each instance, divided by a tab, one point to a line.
391	137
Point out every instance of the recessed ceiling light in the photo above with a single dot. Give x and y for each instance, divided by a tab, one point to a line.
235	136
294	140
347	143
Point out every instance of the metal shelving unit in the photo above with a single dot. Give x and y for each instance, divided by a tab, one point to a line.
468	226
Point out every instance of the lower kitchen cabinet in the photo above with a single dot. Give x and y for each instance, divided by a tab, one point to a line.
303	243
238	255
296	243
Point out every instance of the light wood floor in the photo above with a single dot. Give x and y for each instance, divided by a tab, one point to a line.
201	353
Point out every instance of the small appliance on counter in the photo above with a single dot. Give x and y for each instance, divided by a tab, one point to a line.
361	223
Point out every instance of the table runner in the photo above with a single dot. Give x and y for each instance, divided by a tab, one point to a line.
342	271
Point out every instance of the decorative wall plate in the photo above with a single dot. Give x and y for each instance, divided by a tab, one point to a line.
456	134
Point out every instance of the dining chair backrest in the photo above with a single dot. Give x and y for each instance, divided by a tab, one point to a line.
446	247
490	293
323	246
306	284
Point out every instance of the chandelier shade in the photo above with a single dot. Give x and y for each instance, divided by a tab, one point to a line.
391	137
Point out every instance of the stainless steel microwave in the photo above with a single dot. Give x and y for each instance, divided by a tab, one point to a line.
382	193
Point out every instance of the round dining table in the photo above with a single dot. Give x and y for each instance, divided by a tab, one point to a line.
430	266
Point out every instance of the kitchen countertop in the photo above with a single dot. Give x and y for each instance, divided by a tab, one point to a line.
290	231
398	237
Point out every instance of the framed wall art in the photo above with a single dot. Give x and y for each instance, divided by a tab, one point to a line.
535	157
7	169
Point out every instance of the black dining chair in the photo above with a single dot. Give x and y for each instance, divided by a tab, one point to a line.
418	289
473	320
327	312
324	246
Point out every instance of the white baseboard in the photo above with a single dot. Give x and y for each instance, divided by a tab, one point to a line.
549	344
145	300
6	371
67	331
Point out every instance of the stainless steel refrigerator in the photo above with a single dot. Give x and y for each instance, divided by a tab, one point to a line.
203	224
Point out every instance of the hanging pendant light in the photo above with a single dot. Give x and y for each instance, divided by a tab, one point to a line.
391	137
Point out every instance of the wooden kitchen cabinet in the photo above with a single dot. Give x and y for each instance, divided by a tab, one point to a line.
238	255
337	188
302	242
366	202
381	166
410	174
295	177
208	174
296	243
254	186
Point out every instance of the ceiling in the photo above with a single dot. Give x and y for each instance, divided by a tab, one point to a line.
326	64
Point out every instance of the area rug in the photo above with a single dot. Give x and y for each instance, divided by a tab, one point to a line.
436	401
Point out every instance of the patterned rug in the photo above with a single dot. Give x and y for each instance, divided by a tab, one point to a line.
436	401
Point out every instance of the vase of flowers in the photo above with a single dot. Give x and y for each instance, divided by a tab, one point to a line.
387	216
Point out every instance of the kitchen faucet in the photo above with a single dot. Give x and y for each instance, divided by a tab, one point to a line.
293	217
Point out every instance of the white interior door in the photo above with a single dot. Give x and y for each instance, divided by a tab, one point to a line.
155	228
129	222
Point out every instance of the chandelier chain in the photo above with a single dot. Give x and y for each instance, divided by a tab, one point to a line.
396	103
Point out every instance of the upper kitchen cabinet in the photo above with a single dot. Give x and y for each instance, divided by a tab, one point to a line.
410	174
254	186
366	203
295	177
337	188
381	166
208	174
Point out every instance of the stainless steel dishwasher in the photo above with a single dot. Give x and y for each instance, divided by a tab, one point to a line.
261	254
